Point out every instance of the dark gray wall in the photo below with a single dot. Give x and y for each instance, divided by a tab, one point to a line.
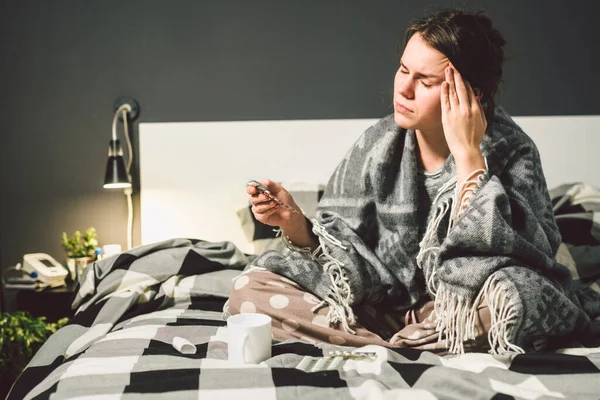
64	63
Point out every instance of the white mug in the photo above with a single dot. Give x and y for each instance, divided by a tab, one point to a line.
249	338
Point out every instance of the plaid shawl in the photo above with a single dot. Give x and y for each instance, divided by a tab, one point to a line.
502	248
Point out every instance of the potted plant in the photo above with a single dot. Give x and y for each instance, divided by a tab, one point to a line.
80	250
21	336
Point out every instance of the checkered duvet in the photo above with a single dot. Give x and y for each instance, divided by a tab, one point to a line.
130	307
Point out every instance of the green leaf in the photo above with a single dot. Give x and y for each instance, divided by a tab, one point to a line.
80	245
21	336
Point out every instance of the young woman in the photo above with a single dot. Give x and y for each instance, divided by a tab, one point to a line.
436	230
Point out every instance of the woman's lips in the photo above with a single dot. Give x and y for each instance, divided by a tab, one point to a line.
401	109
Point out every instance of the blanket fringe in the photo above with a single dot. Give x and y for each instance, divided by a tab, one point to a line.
426	246
307	250
467	189
504	316
457	316
340	298
455	320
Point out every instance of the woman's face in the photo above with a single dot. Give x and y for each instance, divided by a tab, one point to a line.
417	86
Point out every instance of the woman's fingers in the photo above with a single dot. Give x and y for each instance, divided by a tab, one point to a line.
265	215
274	187
482	114
476	100
445	99
259	198
415	336
451	88
264	207
395	338
462	91
477	105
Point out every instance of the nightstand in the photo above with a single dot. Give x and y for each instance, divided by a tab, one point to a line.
52	303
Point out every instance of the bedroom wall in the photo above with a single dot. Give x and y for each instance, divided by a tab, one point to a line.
64	63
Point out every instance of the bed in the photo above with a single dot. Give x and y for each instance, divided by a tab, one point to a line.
198	235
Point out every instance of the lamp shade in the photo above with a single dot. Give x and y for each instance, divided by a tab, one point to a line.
116	175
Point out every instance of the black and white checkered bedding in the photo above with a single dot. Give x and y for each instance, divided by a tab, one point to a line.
119	345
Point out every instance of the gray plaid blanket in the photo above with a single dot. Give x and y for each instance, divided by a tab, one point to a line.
577	210
131	306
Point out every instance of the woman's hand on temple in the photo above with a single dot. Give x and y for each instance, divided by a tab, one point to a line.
268	211
463	117
464	123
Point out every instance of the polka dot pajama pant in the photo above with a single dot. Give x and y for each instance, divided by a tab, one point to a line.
290	308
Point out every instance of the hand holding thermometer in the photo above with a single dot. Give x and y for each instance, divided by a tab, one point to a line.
263	189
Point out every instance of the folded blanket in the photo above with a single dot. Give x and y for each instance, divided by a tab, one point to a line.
370	252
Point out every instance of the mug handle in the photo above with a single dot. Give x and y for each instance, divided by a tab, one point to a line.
241	342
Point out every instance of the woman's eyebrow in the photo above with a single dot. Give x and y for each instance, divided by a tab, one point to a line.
424	76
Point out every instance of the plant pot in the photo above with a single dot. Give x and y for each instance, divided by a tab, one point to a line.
77	265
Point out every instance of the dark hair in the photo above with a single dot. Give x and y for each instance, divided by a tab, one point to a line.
471	44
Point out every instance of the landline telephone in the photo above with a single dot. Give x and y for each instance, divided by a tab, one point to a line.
46	268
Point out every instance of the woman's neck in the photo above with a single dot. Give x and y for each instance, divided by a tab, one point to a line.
433	149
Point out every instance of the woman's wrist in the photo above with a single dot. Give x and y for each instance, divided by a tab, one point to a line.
467	162
294	224
470	170
298	232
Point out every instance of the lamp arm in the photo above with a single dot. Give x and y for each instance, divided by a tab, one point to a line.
128	139
124	109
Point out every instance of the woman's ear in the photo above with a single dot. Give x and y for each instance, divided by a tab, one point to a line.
478	94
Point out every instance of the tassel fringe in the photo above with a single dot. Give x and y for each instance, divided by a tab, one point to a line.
340	298
456	318
504	317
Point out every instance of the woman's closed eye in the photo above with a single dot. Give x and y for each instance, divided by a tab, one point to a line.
404	70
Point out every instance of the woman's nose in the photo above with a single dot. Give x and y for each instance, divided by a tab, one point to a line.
405	88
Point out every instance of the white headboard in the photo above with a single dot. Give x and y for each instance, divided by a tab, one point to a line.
193	175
